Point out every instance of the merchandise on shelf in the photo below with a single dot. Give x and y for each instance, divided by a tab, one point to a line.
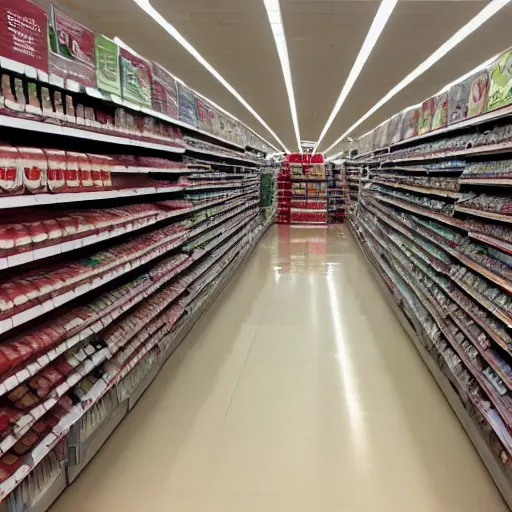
103	322
61	66
433	217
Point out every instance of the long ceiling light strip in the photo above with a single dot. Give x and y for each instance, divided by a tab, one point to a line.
487	12
379	22
173	32
276	23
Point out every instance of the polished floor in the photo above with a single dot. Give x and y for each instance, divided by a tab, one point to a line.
297	391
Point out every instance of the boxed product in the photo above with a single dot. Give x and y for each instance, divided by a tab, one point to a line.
187	105
410	121
440	117
426	116
108	72
165	92
478	94
23	29
34	169
136	78
500	89
56	174
11	176
72	50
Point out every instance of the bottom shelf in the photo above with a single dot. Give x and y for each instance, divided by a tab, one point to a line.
420	339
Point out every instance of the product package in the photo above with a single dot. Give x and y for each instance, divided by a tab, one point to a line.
440	117
478	94
500	89
165	92
23	29
72	49
108	72
136	78
426	116
34	169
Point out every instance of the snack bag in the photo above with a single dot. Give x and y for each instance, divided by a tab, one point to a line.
410	120
56	170
11	180
426	116
478	94
500	89
440	117
34	169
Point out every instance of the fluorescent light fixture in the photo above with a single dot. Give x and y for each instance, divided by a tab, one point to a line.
173	32
276	23
487	12
376	28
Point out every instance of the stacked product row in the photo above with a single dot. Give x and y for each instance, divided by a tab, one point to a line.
336	187
436	225
98	300
471	101
54	68
303	190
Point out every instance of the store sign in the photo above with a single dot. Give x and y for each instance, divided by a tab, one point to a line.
23	27
108	73
71	49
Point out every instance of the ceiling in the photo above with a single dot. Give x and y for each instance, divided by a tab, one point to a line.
323	37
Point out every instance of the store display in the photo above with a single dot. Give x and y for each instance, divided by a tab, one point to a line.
95	296
302	197
438	232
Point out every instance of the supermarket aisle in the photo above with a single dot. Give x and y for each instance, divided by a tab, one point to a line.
298	390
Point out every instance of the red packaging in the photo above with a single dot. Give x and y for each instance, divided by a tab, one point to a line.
84	170
4	364
8	416
23	349
13	358
56	170
37	232
21	235
106	171
53	229
46	102
9	463
11	180
45	381
7	94
23	33
72	172
26	443
34	169
97	163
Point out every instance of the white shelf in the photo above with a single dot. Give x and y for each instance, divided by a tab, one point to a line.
42	199
193	149
41	127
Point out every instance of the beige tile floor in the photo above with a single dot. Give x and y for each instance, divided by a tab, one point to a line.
297	391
